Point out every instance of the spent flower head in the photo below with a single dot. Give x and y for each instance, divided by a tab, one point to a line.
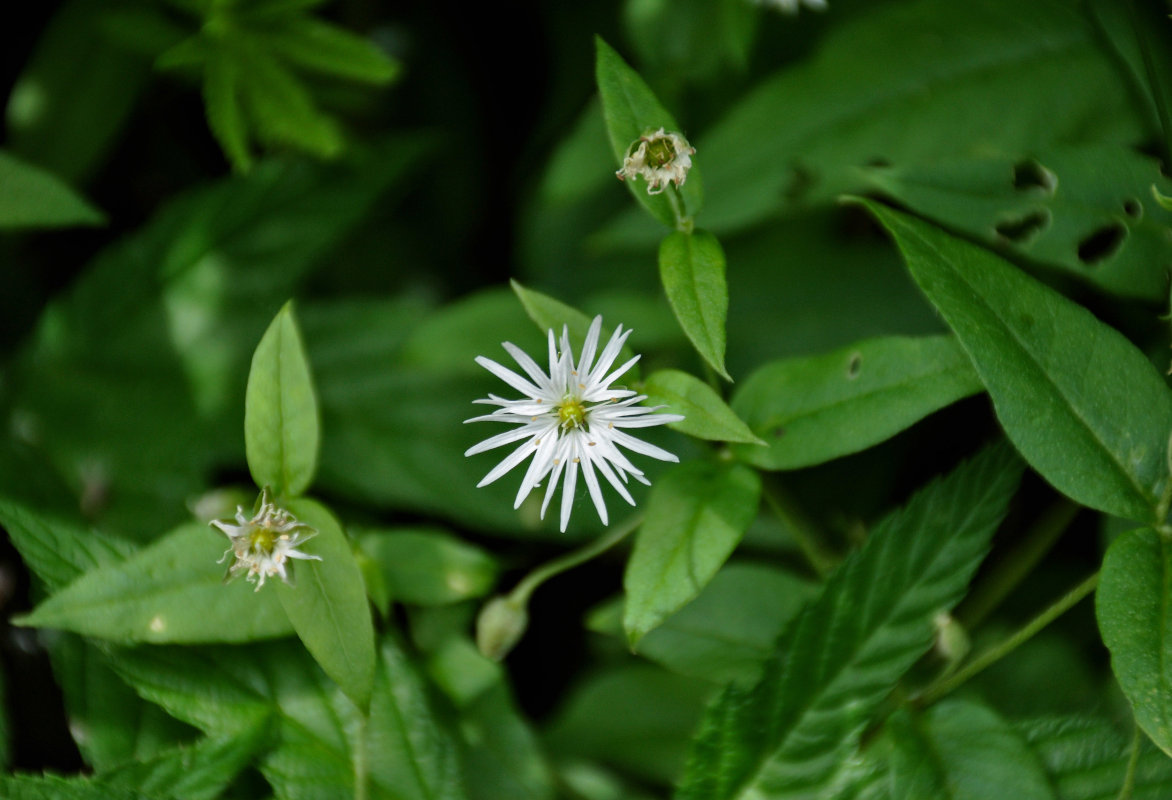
261	545
571	419
659	157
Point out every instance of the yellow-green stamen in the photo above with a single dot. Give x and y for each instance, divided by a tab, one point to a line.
571	414
262	540
660	152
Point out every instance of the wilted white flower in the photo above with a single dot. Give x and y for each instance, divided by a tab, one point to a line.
571	418
261	545
659	157
791	6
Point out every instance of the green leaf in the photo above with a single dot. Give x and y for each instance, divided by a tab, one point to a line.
789	733
1085	209
1082	404
171	591
429	566
817	408
280	108
322	746
632	110
1133	607
56	550
727	631
691	266
959	750
33	198
280	411
696	515
327	605
1086	759
51	787
201	771
222	103
705	415
320	47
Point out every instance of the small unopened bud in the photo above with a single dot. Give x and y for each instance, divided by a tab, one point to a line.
952	643
501	624
659	157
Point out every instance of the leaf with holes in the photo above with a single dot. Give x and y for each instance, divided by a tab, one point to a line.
1133	605
705	415
813	409
790	733
1086	209
691	266
1081	403
280	411
696	515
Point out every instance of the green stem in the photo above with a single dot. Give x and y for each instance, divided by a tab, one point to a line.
948	683
522	591
1128	786
809	539
1017	563
360	777
684	223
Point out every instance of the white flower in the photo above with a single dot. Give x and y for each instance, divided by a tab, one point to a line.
659	157
261	545
791	6
571	418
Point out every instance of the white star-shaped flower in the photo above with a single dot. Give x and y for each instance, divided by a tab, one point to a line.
659	157
571	419
263	544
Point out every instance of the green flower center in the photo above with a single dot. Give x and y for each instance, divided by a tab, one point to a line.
660	152
262	539
571	414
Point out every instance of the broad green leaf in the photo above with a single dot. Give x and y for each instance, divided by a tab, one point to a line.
1086	210
56	550
33	198
200	771
1086	759
817	408
429	566
696	514
52	787
281	430
727	631
649	744
442	343
800	135
327	605
321	745
502	758
1134	608
632	110
170	591
317	46
1082	404
795	728
959	750
705	415
696	40
691	266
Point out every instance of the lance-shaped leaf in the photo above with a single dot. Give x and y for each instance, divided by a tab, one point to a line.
959	750
1134	607
171	591
696	514
706	416
33	198
280	411
816	408
691	266
792	731
327	605
1081	403
632	110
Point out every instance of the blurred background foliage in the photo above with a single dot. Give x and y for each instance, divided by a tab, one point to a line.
391	166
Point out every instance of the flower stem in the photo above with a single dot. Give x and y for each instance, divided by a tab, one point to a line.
948	683
522	591
684	223
805	532
1128	786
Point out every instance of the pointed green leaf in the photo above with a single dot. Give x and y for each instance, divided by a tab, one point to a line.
706	416
280	411
632	110
691	266
33	198
790	733
1082	404
696	514
320	47
817	408
221	99
280	108
327	605
171	591
959	750
56	550
1134	607
52	787
429	567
